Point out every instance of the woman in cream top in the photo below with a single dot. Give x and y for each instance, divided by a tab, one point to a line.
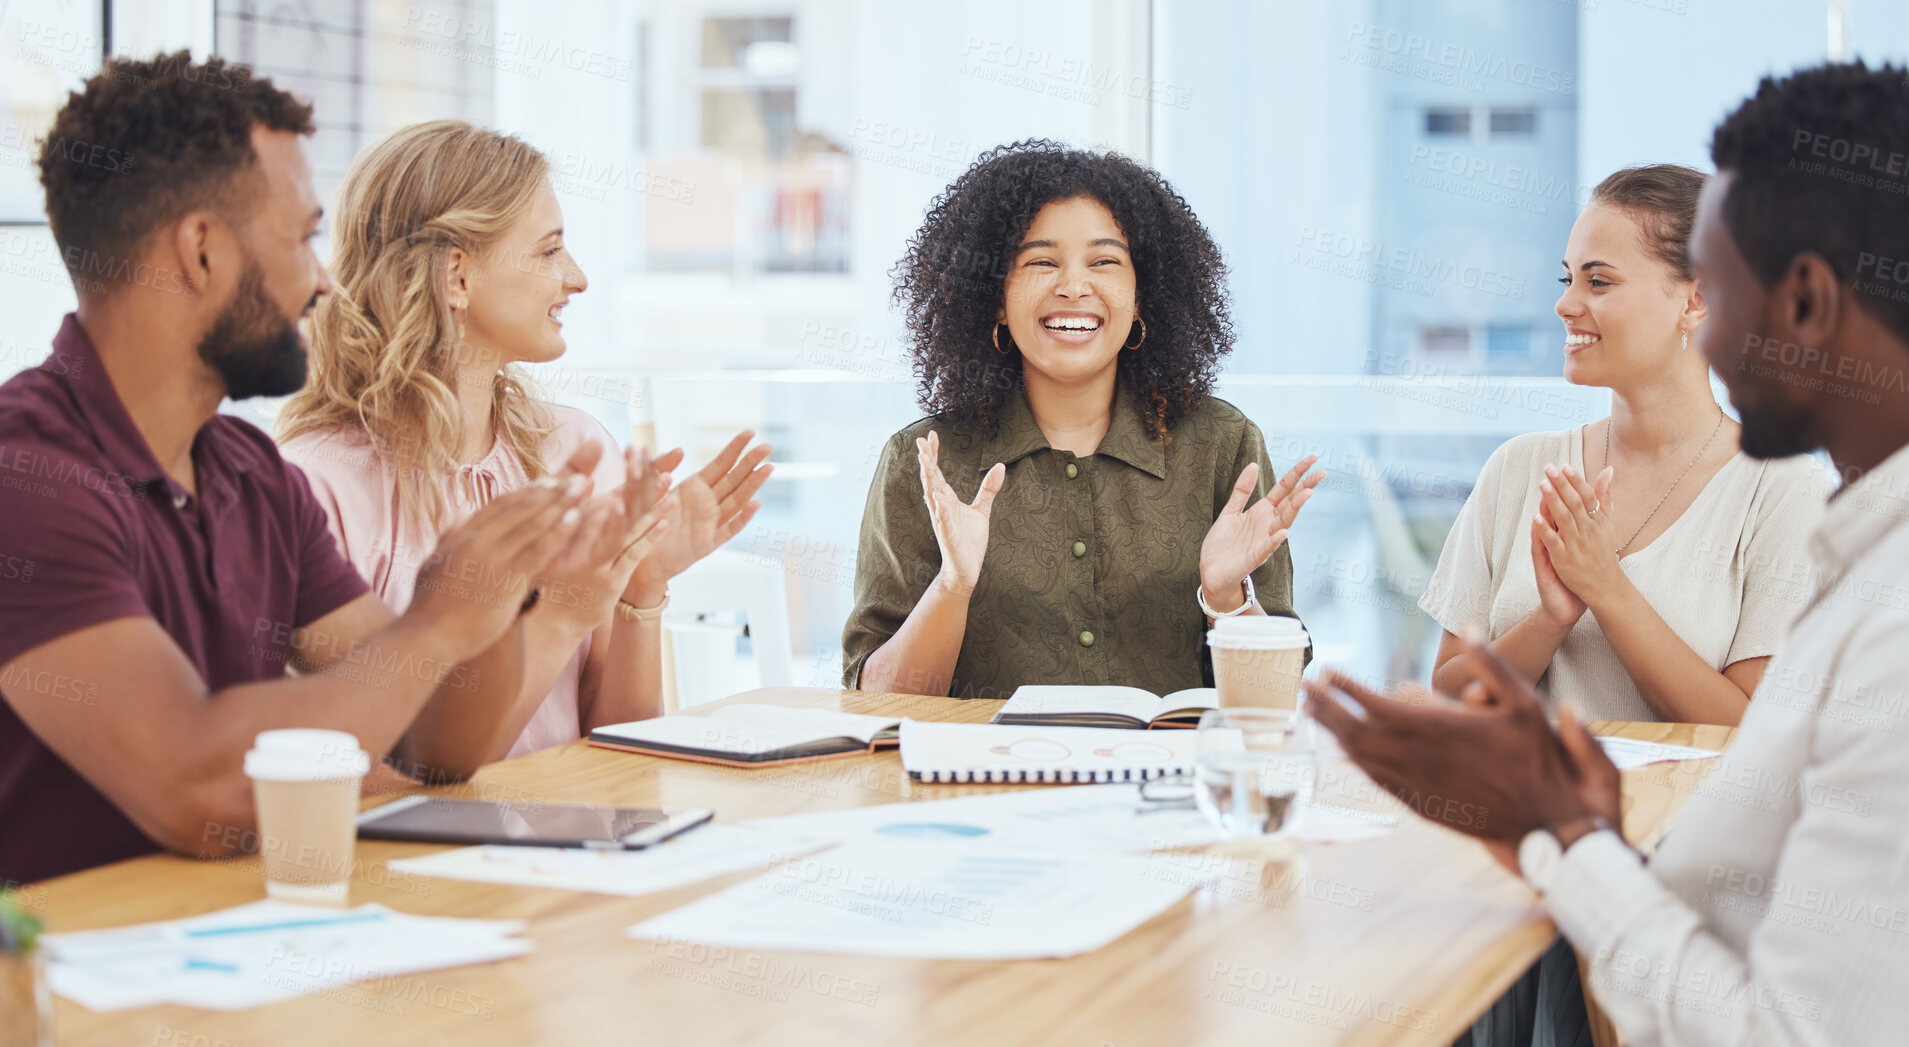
1727	576
1640	567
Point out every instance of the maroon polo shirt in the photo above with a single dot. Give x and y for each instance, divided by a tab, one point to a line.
92	530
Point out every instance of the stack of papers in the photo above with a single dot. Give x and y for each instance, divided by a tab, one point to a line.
1627	753
1087	819
709	850
266	952
893	898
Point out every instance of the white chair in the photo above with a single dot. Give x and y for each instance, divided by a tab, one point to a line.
699	659
1406	571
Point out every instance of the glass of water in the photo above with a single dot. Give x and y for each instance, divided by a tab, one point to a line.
1255	769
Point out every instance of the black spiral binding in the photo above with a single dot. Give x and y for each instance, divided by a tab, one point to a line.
1045	776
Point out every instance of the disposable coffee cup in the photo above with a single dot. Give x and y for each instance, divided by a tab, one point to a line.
305	782
1258	660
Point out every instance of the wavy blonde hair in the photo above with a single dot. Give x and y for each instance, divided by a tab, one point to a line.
385	348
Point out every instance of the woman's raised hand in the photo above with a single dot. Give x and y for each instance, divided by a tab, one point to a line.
712	506
961	528
622	527
1241	539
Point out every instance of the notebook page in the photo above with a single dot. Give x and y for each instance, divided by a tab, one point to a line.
1064	699
1191	698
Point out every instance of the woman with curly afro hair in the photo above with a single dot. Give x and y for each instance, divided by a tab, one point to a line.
1078	507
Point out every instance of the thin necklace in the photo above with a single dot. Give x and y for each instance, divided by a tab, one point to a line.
1612	424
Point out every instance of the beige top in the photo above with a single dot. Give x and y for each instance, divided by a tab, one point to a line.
1728	576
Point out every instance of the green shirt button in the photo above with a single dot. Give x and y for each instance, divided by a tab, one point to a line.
1080	549
1086	639
1072	470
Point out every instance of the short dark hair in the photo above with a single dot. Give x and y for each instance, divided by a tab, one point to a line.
1662	198
952	278
1819	162
148	141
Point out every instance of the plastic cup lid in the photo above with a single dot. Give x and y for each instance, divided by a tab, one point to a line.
1258	632
306	754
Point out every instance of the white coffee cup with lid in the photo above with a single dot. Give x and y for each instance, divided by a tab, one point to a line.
1258	660
305	782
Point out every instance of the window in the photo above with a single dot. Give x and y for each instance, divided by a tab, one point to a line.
759	46
53	46
1507	343
1452	122
371	68
50	47
748	101
1445	340
774	196
1513	122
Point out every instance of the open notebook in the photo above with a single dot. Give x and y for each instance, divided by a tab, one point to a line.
751	735
979	752
1078	705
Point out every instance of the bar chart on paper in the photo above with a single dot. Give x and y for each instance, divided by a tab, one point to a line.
889	897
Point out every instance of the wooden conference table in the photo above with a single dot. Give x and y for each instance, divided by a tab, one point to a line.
1401	939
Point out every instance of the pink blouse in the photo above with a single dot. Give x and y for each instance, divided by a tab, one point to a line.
360	494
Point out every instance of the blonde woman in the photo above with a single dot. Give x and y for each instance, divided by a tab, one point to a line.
450	270
1641	567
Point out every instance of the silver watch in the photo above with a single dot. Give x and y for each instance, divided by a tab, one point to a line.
1540	853
1199	593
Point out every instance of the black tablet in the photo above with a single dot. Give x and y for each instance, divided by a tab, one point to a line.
434	819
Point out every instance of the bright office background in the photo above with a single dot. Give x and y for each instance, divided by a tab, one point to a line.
1392	183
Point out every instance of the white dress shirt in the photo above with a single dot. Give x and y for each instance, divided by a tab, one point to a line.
1777	909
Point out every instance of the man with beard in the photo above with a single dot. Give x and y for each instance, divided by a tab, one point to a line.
1777	910
160	566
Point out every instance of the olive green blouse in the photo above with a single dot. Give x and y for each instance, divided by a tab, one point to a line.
1092	562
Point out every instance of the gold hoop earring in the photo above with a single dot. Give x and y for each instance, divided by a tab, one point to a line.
995	335
1143	334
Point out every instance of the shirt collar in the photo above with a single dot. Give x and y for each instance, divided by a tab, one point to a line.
76	361
1861	514
1017	435
120	441
1127	437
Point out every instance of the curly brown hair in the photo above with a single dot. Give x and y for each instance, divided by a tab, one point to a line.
151	140
950	282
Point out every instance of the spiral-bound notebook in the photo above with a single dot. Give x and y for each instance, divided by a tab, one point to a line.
972	752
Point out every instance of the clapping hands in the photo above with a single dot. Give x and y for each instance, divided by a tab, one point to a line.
1241	539
1573	543
961	528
